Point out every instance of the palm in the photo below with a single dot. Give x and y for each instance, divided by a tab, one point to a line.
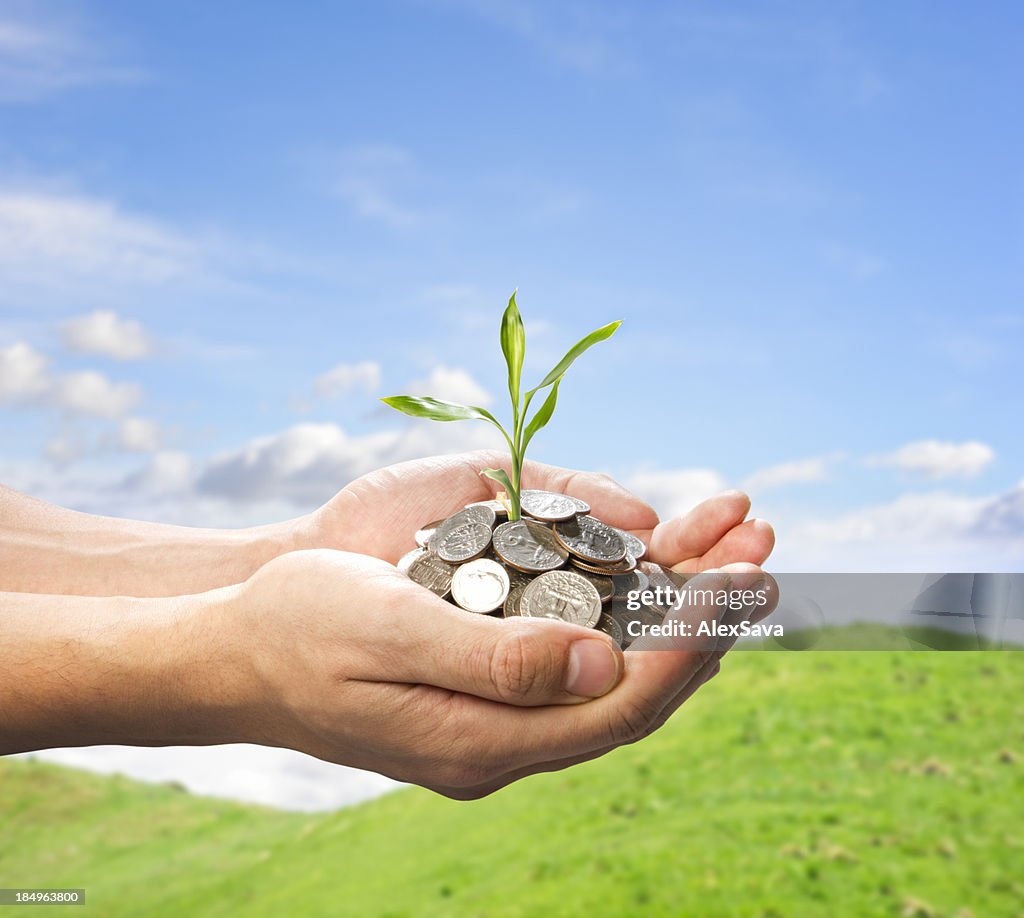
378	513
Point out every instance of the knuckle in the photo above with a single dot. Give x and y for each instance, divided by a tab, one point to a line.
631	721
517	671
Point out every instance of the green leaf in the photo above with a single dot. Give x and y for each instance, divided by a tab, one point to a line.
500	476
542	416
513	346
437	410
605	331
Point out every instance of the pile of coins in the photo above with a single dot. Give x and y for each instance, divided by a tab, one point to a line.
557	561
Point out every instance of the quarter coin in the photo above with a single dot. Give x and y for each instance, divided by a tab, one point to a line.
564	595
528	546
634	581
581	505
548	506
591	540
515	595
624	566
429	571
480	586
605	587
500	510
634	545
478	514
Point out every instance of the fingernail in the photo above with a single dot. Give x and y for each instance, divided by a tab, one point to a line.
593	669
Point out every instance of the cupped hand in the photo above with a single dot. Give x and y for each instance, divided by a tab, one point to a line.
379	513
356	664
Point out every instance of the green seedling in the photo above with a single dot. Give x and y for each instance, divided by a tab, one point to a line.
513	346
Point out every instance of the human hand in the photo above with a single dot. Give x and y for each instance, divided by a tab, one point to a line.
378	513
355	664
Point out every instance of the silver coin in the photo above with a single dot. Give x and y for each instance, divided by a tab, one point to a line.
429	571
406	560
500	510
424	533
548	506
563	595
605	587
611	627
634	545
634	581
528	546
515	596
465	542
625	566
477	514
480	586
664	582
581	505
644	617
591	540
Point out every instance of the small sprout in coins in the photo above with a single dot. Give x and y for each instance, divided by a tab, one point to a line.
513	346
529	553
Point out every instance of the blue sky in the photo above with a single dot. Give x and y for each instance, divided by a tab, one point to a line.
225	229
809	218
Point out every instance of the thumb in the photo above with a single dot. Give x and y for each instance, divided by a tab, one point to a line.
518	661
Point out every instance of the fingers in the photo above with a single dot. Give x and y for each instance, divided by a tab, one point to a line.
750	542
519	661
700	530
706	673
608	500
630	712
479	744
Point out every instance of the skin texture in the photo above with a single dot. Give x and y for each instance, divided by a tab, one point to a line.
325	647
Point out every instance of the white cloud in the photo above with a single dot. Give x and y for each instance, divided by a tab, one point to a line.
305	464
104	332
91	393
675	492
799	471
166	473
308	463
932	531
909	518
24	374
1003	517
452	384
47	236
65	449
138	435
38	59
346	378
938	459
259	774
25	378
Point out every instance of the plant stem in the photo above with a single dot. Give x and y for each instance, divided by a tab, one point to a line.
519	420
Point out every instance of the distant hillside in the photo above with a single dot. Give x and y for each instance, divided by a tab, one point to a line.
872	783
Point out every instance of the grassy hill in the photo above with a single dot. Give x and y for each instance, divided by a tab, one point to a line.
795	784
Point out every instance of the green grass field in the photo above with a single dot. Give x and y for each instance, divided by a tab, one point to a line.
831	784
